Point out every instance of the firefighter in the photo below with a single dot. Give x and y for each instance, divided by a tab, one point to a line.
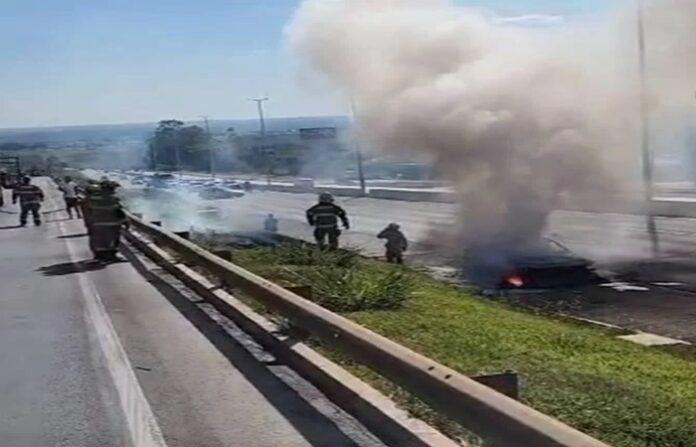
30	198
84	195
396	244
324	218
3	184
104	218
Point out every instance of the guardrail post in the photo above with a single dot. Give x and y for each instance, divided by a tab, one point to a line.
506	383
183	234
156	222
302	290
224	254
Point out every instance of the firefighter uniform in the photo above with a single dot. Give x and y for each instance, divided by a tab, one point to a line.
3	184
104	218
30	198
396	244
324	217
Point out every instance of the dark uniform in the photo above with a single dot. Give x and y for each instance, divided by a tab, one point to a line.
104	218
3	184
396	244
324	218
30	198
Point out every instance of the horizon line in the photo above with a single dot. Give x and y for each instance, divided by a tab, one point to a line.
143	123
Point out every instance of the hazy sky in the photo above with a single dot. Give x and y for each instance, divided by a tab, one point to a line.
112	61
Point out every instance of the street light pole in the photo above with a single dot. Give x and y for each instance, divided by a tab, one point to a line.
645	134
211	152
358	152
262	123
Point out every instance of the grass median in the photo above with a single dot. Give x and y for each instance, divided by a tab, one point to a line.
624	394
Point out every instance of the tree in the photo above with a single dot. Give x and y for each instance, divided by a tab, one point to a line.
175	146
165	146
195	148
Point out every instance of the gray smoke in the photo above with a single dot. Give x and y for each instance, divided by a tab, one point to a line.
519	119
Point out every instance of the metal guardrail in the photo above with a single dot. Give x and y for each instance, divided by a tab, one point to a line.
499	420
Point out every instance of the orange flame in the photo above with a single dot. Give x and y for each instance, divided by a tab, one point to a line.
515	280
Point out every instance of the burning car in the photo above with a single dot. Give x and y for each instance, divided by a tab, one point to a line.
545	265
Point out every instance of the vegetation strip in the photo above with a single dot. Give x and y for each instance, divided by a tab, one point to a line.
626	395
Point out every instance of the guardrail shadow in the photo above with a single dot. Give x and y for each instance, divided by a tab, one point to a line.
315	427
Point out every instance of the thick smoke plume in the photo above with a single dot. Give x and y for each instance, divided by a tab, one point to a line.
518	118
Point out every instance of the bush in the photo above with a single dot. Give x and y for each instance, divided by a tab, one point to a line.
306	254
353	289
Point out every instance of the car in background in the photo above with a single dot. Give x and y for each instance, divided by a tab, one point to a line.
218	193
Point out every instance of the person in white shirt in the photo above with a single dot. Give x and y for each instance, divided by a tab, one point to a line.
69	189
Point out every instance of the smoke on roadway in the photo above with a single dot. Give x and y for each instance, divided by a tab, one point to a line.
519	118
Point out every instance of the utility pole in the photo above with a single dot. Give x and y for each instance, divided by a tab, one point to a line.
358	152
646	133
262	123
211	152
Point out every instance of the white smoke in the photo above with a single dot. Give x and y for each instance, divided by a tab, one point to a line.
518	118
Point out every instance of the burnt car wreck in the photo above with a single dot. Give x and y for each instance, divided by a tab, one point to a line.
544	265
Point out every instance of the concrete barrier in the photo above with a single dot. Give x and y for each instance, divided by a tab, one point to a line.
498	419
413	195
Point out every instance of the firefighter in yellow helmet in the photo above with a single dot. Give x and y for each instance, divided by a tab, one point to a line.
104	218
324	217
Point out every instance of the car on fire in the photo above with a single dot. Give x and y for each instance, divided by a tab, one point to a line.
545	265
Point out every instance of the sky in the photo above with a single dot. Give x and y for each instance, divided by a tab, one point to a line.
65	62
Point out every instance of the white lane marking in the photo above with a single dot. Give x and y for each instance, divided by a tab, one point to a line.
143	429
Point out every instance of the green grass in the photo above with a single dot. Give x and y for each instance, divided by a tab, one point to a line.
624	394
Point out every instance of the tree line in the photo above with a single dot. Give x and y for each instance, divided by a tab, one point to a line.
176	146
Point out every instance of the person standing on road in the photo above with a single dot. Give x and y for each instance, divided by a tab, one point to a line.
270	225
30	198
104	218
324	218
396	245
69	188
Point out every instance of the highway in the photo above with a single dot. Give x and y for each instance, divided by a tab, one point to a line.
605	238
109	355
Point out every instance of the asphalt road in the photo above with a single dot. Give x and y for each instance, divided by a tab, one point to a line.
96	355
54	390
605	238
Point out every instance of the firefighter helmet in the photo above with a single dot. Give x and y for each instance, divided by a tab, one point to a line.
108	185
326	197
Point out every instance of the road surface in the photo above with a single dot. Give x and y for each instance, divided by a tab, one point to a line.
101	355
602	237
